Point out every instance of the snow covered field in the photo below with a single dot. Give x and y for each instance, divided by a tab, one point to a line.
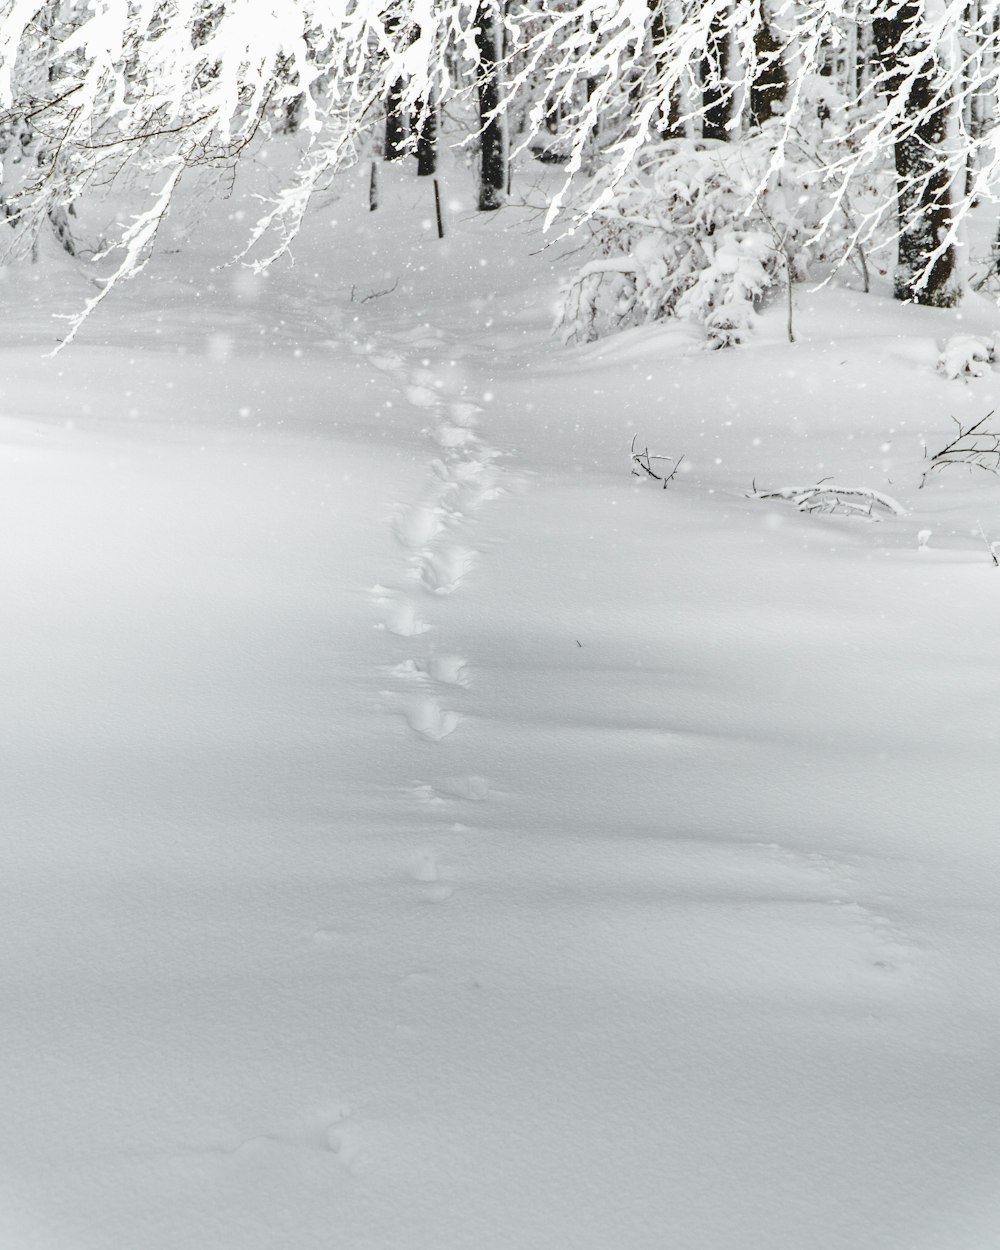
422	833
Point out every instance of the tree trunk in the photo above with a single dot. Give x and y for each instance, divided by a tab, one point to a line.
493	123
769	88
669	124
927	271
426	125
397	127
717	94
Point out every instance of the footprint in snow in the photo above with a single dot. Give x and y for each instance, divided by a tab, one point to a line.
441	571
388	362
425	793
463	412
421	396
423	866
449	670
475	480
453	436
406	670
475	789
424	870
429	719
419	525
332	1128
401	616
891	951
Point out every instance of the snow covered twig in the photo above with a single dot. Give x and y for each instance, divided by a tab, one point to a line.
974	446
642	463
859	501
137	243
990	547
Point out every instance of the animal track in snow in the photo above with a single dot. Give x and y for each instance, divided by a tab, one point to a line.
421	396
466	472
331	1128
419	525
343	1141
406	670
403	621
425	793
889	949
424	870
463	412
464	475
423	866
474	480
449	670
401	616
451	436
441	571
475	789
429	719
470	789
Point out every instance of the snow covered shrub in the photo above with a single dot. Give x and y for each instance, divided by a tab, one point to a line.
743	266
684	235
968	355
706	230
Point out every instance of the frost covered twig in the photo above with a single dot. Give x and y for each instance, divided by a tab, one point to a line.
990	547
973	446
643	460
372	294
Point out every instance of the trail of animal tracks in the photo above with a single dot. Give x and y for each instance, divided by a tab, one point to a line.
422	833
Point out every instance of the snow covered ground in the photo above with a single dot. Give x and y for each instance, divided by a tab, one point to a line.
421	833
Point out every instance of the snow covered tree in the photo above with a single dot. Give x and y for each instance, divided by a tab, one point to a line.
426	123
901	143
919	77
492	117
397	129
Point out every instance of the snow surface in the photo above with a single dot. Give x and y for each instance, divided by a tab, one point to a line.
421	832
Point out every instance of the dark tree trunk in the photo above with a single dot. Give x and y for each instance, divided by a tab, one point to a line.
426	125
770	85
717	94
493	123
397	126
396	129
669	125
924	180
592	81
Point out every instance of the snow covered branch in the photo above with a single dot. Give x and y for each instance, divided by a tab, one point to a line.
863	127
974	446
858	501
